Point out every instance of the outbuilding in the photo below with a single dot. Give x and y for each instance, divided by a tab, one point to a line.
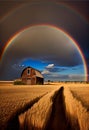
31	76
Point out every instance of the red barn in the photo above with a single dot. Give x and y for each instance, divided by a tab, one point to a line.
31	76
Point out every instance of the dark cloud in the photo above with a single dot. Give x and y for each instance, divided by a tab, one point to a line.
39	44
57	69
44	43
45	13
64	77
56	77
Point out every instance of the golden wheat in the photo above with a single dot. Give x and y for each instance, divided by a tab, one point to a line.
14	99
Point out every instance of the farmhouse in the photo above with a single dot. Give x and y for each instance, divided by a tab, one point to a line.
31	76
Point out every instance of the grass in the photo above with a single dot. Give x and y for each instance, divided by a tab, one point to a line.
18	83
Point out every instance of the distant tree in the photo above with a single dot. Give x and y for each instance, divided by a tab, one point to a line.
48	80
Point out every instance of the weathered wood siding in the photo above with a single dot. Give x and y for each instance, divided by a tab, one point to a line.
29	77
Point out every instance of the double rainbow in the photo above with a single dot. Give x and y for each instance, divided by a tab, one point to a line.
73	41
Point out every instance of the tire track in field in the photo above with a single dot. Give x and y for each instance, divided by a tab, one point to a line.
13	122
37	117
55	117
58	120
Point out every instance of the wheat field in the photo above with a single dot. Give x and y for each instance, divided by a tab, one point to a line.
58	106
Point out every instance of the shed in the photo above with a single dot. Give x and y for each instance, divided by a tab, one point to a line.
31	76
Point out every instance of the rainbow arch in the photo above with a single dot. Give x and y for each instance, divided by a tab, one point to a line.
9	42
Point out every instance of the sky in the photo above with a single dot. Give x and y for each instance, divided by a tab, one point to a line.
43	35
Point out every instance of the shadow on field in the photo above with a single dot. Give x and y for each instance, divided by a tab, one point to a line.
13	122
58	119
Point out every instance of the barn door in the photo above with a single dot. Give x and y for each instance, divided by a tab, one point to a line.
28	81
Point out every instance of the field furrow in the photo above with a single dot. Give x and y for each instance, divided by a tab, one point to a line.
77	114
37	117
13	99
44	107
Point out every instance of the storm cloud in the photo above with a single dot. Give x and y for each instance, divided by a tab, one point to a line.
43	42
44	13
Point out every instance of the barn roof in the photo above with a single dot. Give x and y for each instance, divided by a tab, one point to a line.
38	73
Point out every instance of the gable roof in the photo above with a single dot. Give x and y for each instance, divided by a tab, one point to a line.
37	72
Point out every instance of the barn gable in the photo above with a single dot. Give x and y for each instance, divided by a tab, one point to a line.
31	76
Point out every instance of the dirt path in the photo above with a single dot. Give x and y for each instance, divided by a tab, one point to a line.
58	119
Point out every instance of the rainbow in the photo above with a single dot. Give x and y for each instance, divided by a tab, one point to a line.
58	3
57	28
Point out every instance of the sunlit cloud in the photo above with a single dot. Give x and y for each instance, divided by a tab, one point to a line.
50	66
45	72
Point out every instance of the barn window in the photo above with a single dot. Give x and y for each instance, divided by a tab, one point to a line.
28	71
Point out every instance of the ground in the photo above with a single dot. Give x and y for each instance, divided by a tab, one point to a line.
54	106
